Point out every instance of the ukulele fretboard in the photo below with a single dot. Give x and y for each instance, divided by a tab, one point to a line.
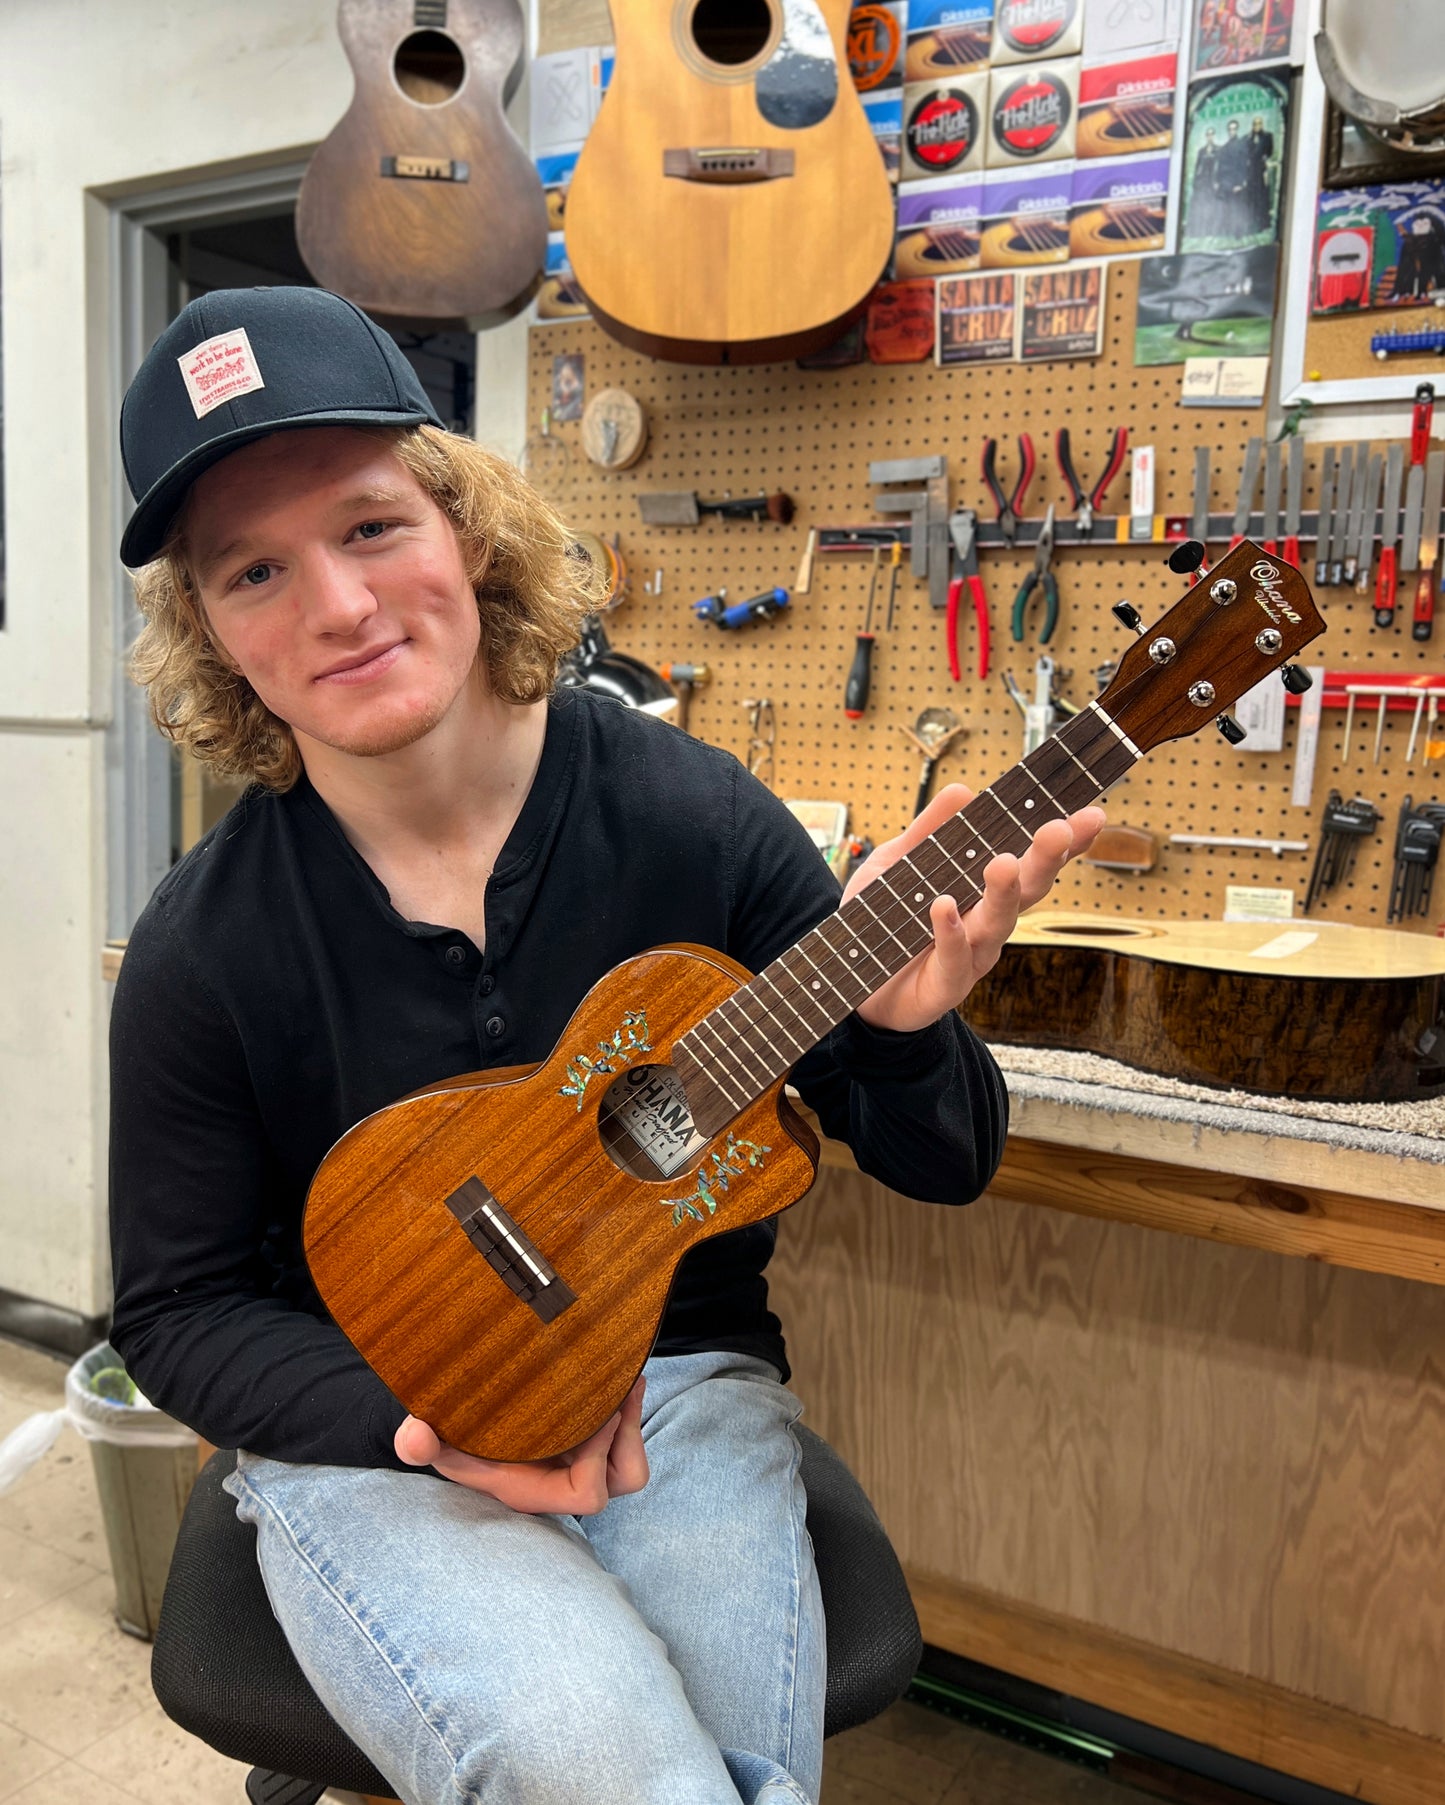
749	1041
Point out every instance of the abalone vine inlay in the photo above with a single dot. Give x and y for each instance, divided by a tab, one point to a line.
725	1168
630	1038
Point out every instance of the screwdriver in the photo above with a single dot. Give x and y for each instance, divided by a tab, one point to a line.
860	674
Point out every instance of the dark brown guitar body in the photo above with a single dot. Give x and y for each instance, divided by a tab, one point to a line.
422	201
455	1342
1358	1015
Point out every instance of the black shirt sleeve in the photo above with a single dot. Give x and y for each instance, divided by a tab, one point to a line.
924	1113
199	1319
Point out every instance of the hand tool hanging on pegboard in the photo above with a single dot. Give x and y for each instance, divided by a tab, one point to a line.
1087	504
717	609
1010	508
1273	474
1042	578
1294	500
963	528
1325	524
1248	483
860	672
1424	620
1389	537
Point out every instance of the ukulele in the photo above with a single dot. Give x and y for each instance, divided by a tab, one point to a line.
422	201
500	1246
730	204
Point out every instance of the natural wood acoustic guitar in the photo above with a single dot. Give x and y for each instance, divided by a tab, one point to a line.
500	1246
1310	1009
422	201
730	204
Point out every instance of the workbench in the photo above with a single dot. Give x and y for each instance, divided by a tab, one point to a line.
1195	1477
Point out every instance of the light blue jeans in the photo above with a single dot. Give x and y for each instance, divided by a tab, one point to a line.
667	1651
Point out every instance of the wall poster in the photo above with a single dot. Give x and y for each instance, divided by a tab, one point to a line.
1234	150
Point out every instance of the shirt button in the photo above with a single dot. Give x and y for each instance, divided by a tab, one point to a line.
456	955
487	985
495	1026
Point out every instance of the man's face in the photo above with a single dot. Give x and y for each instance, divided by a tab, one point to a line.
336	585
1233	128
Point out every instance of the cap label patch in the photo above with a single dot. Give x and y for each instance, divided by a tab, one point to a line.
220	370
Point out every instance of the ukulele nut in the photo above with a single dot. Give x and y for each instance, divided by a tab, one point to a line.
1223	590
1270	641
1201	694
1161	650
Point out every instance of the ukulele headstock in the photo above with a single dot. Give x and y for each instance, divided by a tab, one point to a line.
1247	616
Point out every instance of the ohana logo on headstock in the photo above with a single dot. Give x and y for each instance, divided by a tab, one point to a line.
1269	595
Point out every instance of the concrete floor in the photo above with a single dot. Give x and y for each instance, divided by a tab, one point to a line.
79	1724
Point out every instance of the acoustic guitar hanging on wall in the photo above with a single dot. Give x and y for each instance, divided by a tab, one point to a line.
730	204
500	1246
422	201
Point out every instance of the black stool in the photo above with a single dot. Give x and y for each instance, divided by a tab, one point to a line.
223	1670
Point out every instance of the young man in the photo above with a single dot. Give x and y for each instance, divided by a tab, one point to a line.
439	855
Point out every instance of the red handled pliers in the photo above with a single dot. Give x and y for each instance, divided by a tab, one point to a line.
1011	508
963	528
1084	502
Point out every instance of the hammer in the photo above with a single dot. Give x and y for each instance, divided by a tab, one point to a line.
685	678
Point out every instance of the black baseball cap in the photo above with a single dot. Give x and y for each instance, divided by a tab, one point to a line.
239	363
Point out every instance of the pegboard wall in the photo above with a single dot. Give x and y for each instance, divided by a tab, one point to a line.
735	431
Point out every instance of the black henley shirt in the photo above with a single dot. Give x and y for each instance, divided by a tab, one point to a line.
271	997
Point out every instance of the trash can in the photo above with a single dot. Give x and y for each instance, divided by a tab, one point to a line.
145	1465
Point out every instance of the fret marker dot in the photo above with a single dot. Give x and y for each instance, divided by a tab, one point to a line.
852	952
972	853
816	985
918	897
1029	803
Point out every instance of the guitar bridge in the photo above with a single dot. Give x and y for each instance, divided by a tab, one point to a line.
427	169
728	166
507	1250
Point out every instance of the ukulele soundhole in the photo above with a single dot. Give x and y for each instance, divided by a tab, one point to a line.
731	31
428	67
645	1123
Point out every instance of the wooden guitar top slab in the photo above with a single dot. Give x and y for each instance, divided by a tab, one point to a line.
1297	949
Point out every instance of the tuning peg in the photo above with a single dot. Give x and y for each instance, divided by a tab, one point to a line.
1231	729
1295	678
1186	558
1129	615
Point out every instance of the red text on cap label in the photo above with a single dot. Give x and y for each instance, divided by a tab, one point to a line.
220	370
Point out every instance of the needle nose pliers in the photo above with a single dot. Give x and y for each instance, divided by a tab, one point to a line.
1040	577
1010	508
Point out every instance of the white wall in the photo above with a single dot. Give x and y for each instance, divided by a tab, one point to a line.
100	99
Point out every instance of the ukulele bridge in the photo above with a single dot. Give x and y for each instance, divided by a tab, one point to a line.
507	1250
727	166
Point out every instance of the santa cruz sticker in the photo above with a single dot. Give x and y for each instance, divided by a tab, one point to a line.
1034	27
942	129
1032	115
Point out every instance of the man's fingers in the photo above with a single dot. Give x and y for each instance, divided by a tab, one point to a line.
949	800
416	1444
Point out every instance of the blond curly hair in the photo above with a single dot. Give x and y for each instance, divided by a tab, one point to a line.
533	587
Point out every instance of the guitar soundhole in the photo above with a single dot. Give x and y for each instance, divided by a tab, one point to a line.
731	31
645	1123
429	68
1097	930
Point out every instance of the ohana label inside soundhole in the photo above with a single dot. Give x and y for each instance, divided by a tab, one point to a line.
646	1125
